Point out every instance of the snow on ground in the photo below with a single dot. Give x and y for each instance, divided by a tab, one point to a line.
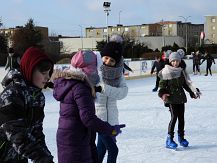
143	140
146	119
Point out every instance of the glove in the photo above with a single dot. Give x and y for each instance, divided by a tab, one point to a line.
117	129
196	94
98	89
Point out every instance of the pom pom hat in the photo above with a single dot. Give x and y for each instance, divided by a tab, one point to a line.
86	60
174	56
114	50
30	59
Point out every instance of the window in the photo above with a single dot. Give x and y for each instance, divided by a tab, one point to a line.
213	20
213	27
113	29
126	29
170	25
105	30
213	35
119	29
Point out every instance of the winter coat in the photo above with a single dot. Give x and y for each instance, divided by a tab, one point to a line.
175	88
21	117
106	101
196	59
159	65
77	121
209	60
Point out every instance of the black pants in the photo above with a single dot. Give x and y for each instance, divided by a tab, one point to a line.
208	68
196	68
177	111
157	82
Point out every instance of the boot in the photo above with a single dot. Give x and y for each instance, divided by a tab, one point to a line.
170	143
183	142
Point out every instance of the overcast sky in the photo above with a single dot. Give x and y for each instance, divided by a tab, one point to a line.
66	17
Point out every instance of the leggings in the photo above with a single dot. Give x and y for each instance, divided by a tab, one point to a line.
177	112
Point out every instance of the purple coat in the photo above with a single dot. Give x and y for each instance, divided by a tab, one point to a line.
77	122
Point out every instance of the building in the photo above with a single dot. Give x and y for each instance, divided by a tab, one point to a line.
162	28
132	31
52	47
210	30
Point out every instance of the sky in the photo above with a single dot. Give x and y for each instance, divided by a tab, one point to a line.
68	17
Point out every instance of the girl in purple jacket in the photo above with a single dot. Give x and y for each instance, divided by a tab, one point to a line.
78	123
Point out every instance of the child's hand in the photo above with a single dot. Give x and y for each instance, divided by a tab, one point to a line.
165	97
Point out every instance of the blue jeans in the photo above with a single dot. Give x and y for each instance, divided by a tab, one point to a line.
106	143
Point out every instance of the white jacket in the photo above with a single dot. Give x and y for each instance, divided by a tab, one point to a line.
106	102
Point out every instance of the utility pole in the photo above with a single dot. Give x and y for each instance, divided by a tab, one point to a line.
106	6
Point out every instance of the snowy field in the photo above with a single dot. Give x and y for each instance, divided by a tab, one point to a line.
146	119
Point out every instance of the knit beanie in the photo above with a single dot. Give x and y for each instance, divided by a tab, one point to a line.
181	53
174	56
30	59
114	50
116	38
86	60
167	54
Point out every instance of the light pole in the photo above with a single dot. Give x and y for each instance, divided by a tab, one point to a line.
81	37
119	17
186	31
162	29
106	6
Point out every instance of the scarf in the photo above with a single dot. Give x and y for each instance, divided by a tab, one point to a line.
169	72
112	75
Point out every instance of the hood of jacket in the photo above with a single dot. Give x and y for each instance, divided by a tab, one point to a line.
14	76
64	81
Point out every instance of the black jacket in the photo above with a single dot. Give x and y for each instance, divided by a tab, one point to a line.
21	117
158	65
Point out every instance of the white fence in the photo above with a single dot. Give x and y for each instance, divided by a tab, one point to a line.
140	68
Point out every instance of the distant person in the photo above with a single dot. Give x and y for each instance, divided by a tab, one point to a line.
196	62
209	60
22	110
157	66
13	60
172	84
78	124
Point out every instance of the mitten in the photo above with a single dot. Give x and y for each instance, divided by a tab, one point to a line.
117	129
192	95
98	89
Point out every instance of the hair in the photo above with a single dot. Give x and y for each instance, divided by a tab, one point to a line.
44	65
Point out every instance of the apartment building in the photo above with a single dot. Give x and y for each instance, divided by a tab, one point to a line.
162	28
132	31
210	29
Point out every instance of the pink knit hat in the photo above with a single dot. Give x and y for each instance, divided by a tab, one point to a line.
86	60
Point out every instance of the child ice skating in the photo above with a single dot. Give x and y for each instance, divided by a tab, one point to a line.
174	80
113	88
22	110
78	123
